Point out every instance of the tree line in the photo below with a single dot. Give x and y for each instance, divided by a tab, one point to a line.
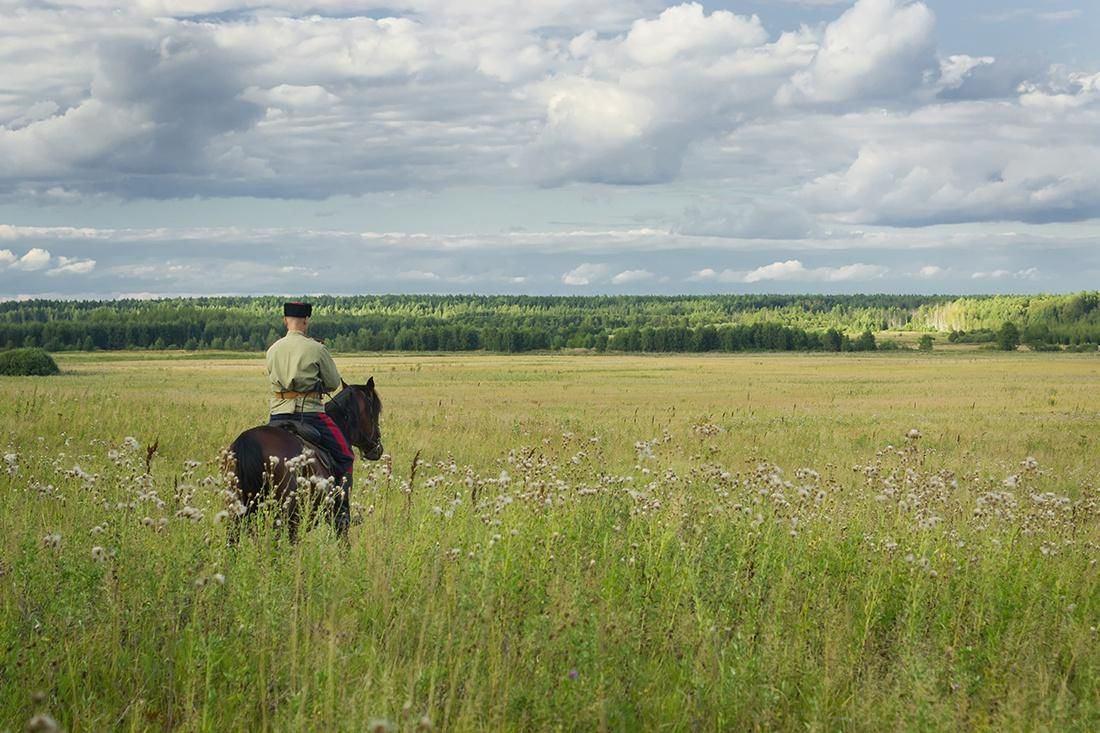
535	323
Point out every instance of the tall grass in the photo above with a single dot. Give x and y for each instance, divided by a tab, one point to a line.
715	544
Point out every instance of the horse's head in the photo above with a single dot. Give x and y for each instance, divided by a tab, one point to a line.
361	409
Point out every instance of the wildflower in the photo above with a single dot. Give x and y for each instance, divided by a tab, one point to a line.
99	554
147	521
380	725
218	578
52	541
573	674
130	443
221	516
425	723
42	723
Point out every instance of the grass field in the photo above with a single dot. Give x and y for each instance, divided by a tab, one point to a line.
589	542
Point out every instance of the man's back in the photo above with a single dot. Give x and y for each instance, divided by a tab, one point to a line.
297	363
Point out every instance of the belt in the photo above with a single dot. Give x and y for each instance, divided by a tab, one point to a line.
295	395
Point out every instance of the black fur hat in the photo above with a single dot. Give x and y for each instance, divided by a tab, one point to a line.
297	310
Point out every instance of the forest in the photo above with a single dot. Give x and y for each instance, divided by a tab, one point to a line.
548	323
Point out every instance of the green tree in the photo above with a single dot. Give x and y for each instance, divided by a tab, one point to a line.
1008	337
926	342
865	342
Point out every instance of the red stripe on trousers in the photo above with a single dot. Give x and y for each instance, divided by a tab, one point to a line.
338	434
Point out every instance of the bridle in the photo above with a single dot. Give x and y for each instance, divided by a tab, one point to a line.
367	444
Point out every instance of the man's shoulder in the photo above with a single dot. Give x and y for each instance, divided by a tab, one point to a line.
298	343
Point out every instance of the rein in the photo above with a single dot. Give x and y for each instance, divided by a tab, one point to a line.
347	419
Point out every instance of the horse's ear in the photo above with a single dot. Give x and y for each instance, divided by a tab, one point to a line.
343	384
370	384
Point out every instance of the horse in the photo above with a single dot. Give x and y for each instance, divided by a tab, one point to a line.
268	462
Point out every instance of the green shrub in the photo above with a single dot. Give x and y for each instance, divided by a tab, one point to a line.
1008	338
27	362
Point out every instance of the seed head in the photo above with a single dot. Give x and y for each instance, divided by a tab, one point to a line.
42	723
99	554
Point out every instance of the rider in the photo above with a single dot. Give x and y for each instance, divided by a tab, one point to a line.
301	371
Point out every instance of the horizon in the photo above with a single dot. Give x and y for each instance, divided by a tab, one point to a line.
236	148
79	298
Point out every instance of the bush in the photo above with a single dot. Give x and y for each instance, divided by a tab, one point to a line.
27	362
865	342
926	342
1008	338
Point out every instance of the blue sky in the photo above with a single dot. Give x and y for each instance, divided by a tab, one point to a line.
165	147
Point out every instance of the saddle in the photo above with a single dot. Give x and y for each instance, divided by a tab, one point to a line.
311	438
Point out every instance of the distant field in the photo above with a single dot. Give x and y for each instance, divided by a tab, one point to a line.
616	542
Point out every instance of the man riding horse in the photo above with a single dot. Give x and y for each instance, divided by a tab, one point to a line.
301	370
265	459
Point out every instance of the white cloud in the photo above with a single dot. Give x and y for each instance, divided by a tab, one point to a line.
792	271
796	271
585	274
929	271
419	275
72	266
686	30
632	276
917	183
1030	273
877	48
7	258
35	259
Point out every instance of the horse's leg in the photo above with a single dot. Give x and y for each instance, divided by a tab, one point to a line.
341	510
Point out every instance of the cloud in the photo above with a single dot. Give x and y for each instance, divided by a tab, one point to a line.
35	259
795	270
919	183
419	275
878	48
705	275
71	266
585	274
1030	273
758	220
632	276
792	271
686	30
930	271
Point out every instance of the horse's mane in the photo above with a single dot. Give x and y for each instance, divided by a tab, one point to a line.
342	409
345	411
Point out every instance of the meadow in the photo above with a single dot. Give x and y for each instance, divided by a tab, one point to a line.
882	541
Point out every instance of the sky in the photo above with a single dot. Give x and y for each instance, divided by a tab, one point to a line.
203	147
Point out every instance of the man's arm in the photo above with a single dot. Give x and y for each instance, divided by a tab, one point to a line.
330	376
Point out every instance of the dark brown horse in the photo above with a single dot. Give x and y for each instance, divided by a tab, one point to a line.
271	466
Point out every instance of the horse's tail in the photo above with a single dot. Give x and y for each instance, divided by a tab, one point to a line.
249	459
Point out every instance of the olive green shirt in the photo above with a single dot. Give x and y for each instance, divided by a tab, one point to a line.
297	363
